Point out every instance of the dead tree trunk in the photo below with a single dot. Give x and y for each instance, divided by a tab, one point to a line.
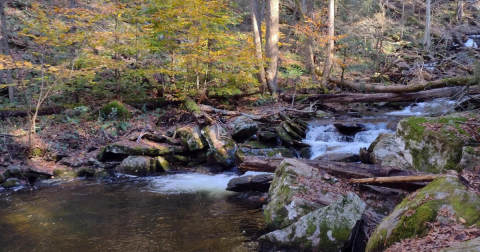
257	36
426	36
331	43
271	47
459	15
6	50
310	12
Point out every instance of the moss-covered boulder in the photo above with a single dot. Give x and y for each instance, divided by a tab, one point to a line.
467	246
470	159
163	165
192	137
142	148
4	176
240	153
115	110
138	166
293	194
87	172
267	135
222	146
328	229
11	182
243	127
288	137
409	217
385	151
432	144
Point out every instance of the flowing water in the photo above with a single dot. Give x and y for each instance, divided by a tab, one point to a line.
182	212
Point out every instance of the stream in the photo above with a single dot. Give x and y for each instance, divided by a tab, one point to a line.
175	212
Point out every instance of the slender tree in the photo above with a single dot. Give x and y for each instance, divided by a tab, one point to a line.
459	10
426	37
6	50
331	43
271	47
257	34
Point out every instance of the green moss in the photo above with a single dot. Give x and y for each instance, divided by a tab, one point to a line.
115	110
164	164
376	241
86	172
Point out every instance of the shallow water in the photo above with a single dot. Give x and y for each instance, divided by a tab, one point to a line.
152	214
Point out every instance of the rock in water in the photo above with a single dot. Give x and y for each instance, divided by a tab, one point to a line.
143	166
294	193
326	229
349	129
221	145
260	183
428	205
385	151
243	127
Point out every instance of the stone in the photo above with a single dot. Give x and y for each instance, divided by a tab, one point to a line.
329	229
192	137
339	157
470	159
101	174
137	166
11	182
472	245
432	151
384	150
240	153
4	176
260	183
321	114
409	217
291	195
72	161
305	152
243	127
142	148
163	164
267	135
115	110
86	172
286	139
222	146
349	129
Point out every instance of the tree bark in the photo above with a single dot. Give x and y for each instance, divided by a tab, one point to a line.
271	47
309	59
257	39
397	179
390	97
426	36
381	88
459	11
6	50
331	43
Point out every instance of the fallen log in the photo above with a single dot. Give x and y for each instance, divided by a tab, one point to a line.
210	109
193	108
391	97
397	179
348	170
381	88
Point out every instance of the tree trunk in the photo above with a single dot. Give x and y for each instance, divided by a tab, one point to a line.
6	50
331	43
272	37
459	11
426	36
72	4
396	179
309	59
257	35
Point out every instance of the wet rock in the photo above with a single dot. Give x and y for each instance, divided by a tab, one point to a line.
163	165
305	152
330	228
470	159
259	183
240	153
321	114
384	150
12	182
86	172
349	129
267	135
72	161
192	137
467	246
4	176
101	174
243	127
433	149
428	205
287	199
339	157
287	139
138	166
143	148
222	146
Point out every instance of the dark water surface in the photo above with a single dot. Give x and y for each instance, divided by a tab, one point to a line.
134	215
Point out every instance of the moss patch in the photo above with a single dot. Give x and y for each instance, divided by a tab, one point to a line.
115	110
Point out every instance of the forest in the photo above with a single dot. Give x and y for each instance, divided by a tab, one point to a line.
367	111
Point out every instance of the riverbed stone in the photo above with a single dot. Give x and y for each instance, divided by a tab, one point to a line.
349	129
142	148
267	135
137	166
243	127
409	217
11	182
221	144
467	246
339	157
329	229
192	137
260	183
384	150
470	159
428	150
163	165
288	194
240	153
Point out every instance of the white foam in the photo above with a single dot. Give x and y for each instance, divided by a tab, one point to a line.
471	43
437	106
190	183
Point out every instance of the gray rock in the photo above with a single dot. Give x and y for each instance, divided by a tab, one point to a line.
260	183
240	153
11	182
339	157
326	229
321	114
468	246
385	151
409	217
266	135
138	166
142	148
470	159
192	137
222	146
243	127
349	129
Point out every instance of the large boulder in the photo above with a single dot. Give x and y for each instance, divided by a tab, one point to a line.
142	148
295	192
432	144
260	183
470	159
192	138
385	151
143	166
327	229
221	144
408	219
468	246
243	127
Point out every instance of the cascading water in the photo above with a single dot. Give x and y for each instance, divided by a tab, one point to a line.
327	139
435	107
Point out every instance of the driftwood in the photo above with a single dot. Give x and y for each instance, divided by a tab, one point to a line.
344	170
397	179
381	88
391	97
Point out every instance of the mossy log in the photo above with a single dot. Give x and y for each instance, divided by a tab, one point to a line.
7	113
345	170
193	108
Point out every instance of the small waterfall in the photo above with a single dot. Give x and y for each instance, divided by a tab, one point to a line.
327	139
434	107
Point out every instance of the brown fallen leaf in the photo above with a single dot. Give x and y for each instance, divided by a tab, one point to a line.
462	220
